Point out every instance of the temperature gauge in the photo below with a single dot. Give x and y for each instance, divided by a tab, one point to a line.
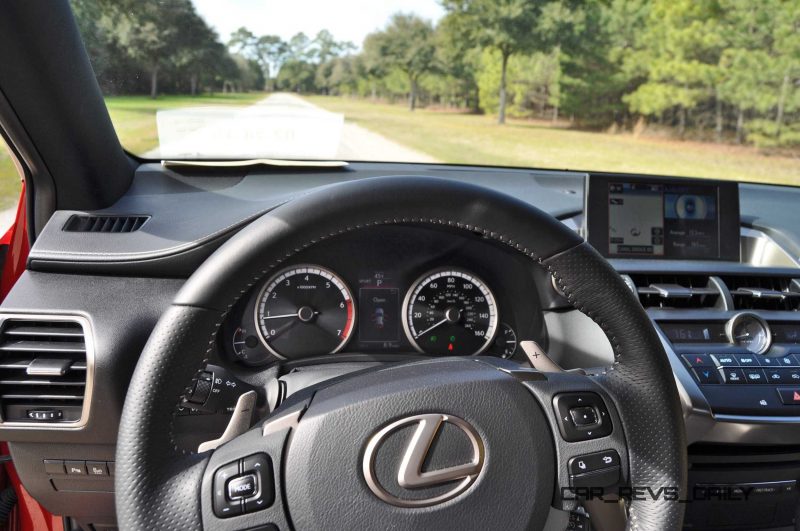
247	348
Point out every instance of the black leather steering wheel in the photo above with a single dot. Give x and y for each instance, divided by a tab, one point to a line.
333	454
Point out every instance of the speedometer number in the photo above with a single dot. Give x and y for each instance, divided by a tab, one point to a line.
450	311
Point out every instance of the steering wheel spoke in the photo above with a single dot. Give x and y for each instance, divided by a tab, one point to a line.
242	482
590	446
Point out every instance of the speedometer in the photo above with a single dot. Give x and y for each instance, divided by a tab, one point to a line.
450	312
305	310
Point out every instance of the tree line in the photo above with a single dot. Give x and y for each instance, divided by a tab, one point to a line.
152	47
724	70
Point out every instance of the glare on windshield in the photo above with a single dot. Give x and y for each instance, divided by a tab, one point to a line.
709	88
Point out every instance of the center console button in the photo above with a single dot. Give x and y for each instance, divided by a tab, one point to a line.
725	360
707	375
774	375
790	396
768	362
755	376
734	376
746	360
698	360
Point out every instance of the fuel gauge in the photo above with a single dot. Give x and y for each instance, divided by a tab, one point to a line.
505	343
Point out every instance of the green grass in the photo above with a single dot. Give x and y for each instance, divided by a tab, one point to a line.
474	139
10	183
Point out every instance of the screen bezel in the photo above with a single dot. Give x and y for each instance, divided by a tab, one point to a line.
595	212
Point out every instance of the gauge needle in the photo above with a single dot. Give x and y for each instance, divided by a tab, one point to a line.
279	316
743	336
440	323
283	316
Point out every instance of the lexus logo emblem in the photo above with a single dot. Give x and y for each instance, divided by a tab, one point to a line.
410	474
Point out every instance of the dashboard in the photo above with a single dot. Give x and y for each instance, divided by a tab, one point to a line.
386	293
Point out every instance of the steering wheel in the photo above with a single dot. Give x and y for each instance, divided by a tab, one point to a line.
456	443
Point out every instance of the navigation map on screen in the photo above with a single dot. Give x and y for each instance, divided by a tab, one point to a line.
658	219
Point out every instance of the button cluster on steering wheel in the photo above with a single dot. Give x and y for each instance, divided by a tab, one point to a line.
581	416
244	486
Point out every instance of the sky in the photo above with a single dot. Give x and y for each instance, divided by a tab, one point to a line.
347	20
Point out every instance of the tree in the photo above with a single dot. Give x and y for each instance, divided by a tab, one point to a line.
270	51
326	49
406	44
682	44
458	59
508	26
150	32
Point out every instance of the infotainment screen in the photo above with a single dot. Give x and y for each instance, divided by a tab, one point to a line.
644	217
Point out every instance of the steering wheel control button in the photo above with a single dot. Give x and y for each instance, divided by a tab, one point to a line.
75	468
570	427
790	396
202	388
583	416
707	375
585	464
260	467
698	360
223	507
242	487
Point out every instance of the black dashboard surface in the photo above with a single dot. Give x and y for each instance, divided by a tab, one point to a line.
194	212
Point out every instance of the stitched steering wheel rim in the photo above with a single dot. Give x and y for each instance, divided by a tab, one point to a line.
154	476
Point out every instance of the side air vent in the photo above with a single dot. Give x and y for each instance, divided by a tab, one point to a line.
752	292
109	224
656	290
45	370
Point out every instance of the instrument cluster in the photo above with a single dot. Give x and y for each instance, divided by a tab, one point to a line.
390	290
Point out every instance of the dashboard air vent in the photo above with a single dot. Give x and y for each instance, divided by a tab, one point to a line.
109	224
43	370
752	292
684	291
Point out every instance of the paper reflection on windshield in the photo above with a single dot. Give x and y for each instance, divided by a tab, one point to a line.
264	130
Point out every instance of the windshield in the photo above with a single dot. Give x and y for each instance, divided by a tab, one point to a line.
674	87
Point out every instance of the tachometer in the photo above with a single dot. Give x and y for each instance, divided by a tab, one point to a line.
450	311
305	310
